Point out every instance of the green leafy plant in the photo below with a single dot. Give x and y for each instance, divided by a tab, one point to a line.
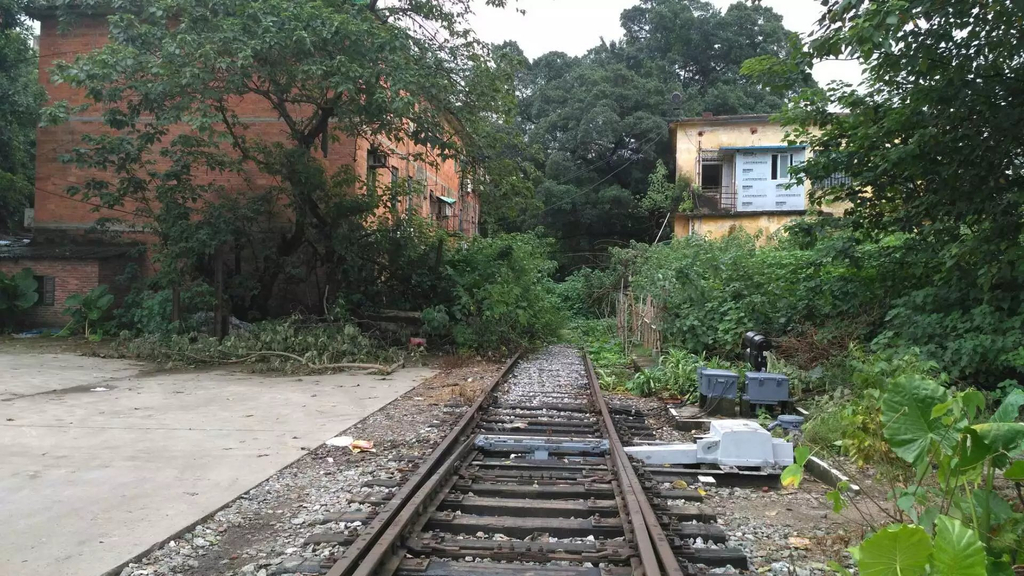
599	339
294	343
17	294
146	311
948	516
675	375
503	297
86	309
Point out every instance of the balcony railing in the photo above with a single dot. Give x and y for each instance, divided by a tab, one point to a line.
714	199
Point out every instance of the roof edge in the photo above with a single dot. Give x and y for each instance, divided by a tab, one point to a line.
732	119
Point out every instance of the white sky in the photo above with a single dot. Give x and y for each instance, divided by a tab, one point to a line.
575	26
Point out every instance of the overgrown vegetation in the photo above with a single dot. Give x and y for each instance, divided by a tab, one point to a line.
86	309
21	97
292	343
499	295
17	294
948	497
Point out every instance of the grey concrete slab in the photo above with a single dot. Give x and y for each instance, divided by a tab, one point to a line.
35	373
90	478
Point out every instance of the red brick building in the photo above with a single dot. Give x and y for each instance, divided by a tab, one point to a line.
68	258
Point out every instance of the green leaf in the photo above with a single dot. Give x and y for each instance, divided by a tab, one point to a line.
792	475
906	414
801	454
999	568
997	506
1003	438
836	498
837	568
927	518
1015	472
974	403
1009	410
941	409
958	550
26	300
897	550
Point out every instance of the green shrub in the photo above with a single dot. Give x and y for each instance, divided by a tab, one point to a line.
88	309
147	311
675	375
503	297
17	294
588	293
944	506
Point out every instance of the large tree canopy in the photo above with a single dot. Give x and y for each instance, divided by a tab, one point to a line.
601	120
328	69
930	148
20	99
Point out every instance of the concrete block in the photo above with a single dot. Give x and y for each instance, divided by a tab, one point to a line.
782	451
736	443
668	454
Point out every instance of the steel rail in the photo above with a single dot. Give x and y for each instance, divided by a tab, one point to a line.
653	546
371	548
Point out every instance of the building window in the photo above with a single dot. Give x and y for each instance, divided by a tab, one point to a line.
375	160
46	288
711	175
780	166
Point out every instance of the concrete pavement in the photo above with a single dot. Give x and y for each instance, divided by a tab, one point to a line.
90	477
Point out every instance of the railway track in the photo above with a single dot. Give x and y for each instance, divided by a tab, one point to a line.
534	480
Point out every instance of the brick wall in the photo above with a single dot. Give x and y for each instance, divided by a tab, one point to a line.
55	211
70	277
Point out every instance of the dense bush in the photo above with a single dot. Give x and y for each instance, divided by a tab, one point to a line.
817	288
147	311
17	294
501	296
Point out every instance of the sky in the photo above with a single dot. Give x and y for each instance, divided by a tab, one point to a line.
574	26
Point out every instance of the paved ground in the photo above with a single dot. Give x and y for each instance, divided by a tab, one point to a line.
90	477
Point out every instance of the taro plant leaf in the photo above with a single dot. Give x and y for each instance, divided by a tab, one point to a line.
836	498
801	454
793	474
927	518
907	415
1003	438
1015	472
958	550
974	403
999	568
999	508
1009	410
897	550
972	450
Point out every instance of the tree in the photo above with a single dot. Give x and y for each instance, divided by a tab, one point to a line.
601	120
20	99
929	152
327	70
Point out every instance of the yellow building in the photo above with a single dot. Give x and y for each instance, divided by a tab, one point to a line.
739	166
